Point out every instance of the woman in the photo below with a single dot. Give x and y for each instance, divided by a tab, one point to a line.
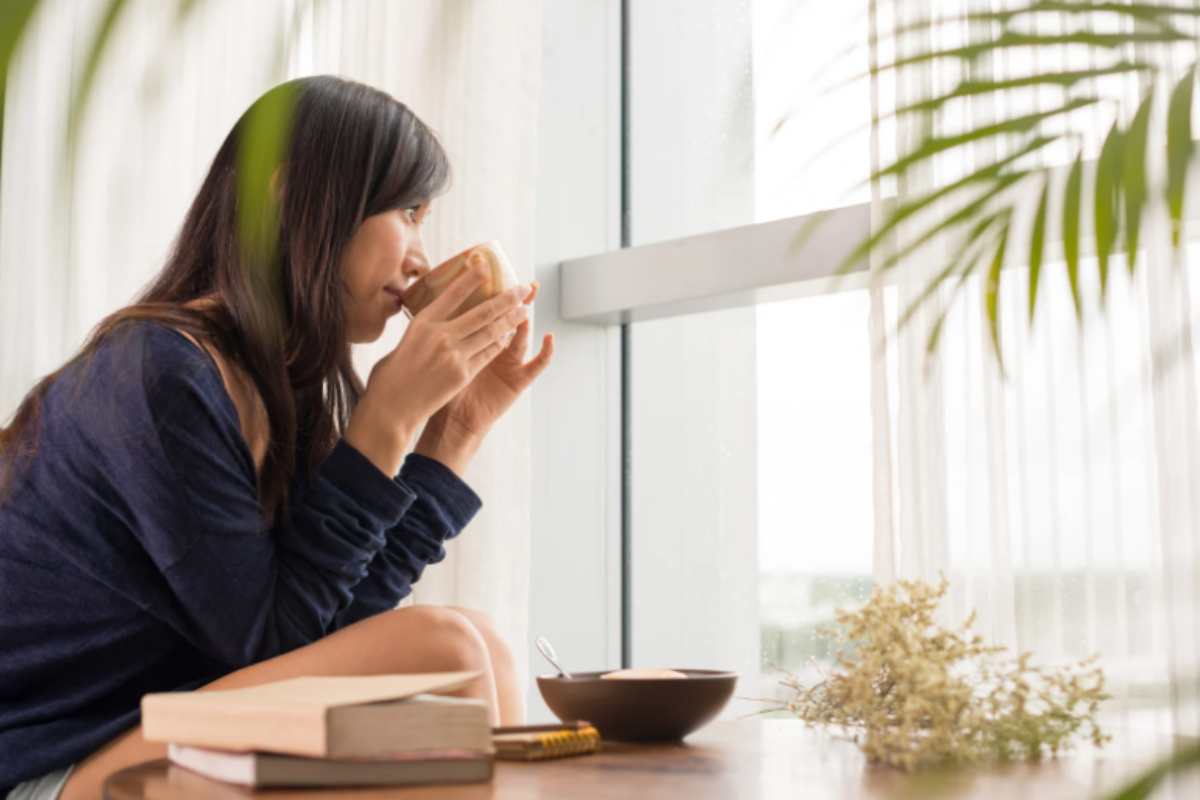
208	497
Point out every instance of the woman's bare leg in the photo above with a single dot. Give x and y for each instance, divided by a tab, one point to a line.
511	699
416	639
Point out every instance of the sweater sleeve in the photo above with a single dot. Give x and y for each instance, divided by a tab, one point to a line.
244	593
443	506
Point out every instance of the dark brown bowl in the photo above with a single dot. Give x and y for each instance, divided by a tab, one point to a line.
641	709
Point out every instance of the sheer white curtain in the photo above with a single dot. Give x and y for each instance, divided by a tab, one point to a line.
1061	499
165	97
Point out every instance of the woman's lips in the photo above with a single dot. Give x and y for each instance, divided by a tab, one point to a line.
395	293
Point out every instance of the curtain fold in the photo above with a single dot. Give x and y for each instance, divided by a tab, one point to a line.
166	94
1061	498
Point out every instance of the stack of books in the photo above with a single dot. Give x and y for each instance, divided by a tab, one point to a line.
327	731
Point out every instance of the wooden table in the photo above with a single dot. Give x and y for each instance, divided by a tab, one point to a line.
744	759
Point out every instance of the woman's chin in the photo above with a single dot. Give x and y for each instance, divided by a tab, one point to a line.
369	328
365	334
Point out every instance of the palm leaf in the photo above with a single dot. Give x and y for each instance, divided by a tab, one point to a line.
970	88
962	216
1121	186
1133	177
261	150
1141	787
1070	229
1036	41
1037	243
83	90
1153	13
1179	150
935	331
991	294
932	145
152	79
922	202
14	19
963	260
1158	15
1107	201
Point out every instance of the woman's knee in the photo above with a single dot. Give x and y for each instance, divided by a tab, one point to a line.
454	641
499	650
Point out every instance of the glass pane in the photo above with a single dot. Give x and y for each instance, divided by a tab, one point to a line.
751	464
723	130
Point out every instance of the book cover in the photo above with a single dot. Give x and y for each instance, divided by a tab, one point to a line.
269	769
326	716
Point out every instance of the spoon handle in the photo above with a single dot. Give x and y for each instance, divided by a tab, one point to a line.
547	650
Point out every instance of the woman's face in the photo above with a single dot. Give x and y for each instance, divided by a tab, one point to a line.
382	259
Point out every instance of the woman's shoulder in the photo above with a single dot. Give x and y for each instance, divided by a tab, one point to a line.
180	376
154	358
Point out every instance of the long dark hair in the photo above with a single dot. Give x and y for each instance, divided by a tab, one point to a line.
353	151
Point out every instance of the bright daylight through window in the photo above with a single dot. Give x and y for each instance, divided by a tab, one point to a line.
783	459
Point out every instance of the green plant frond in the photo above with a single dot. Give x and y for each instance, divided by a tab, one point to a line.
183	11
963	215
1159	15
1107	201
935	330
14	18
1039	41
1072	202
83	90
286	44
991	294
963	259
1037	245
1133	177
906	210
154	75
1179	149
262	149
1156	13
1142	786
1064	79
934	145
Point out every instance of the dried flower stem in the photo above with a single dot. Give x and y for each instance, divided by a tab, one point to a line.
914	694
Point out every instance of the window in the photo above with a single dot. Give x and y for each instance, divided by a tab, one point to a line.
778	469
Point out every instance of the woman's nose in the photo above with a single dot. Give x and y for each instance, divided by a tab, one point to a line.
416	265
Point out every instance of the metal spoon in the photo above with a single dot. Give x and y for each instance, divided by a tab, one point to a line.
547	650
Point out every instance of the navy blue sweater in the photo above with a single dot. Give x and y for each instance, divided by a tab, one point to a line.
134	559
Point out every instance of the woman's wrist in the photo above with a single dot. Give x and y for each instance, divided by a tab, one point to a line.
448	444
382	442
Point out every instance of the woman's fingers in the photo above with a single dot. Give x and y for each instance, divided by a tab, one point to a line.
459	290
485	356
542	359
478	318
519	343
495	331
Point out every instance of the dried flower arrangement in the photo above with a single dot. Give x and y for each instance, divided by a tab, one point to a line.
914	694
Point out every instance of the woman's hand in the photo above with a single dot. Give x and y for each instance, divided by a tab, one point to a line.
437	356
455	431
